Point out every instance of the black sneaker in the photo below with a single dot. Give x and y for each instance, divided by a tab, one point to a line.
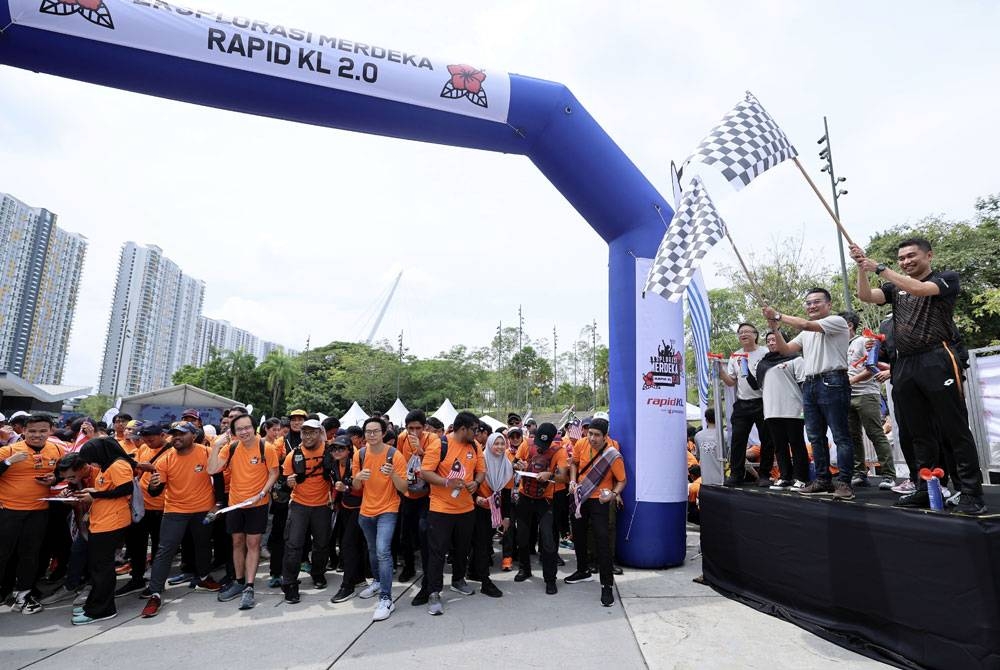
521	575
607	596
918	499
319	582
615	570
146	594
550	588
292	596
421	598
969	504
732	483
344	593
490	589
560	562
580	576
131	586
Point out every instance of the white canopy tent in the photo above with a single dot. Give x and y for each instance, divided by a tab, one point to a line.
354	417
493	423
446	413
397	413
693	412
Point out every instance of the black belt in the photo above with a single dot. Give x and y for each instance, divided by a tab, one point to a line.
829	374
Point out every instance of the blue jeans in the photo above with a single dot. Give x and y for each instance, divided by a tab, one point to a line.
826	399
378	532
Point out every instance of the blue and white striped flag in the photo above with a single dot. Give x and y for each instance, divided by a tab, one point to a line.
701	320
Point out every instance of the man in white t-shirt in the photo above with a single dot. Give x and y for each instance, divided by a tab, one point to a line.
826	391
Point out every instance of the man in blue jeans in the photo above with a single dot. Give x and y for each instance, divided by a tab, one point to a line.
826	392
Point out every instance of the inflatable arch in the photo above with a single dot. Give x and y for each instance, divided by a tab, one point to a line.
235	63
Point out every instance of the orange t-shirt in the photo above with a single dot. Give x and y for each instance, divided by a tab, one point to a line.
247	474
145	455
316	489
188	485
557	460
692	459
108	514
426	440
585	452
378	494
18	488
279	448
129	447
694	489
464	458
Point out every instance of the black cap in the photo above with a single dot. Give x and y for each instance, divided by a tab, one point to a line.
342	441
513	416
150	428
545	435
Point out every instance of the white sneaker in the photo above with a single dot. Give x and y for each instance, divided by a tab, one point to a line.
384	609
945	492
371	590
904	487
798	485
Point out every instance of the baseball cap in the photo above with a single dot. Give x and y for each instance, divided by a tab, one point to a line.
150	428
193	413
602	415
513	416
545	435
297	412
132	424
342	442
530	422
183	427
312	423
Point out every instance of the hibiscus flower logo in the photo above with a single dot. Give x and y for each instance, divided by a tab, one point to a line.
466	82
94	11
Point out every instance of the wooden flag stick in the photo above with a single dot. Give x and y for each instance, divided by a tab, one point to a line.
819	195
758	293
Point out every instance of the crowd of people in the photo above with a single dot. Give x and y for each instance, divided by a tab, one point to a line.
82	506
827	380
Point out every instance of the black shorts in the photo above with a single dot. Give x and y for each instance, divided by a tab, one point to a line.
249	520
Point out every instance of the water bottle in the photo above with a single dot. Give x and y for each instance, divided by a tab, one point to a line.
744	366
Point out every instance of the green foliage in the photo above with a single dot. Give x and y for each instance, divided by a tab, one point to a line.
95	406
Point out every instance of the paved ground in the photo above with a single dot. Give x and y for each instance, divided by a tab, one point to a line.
661	620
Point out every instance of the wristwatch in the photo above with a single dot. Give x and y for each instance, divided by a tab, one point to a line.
880	268
777	316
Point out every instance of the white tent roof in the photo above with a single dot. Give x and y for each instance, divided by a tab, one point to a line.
446	413
493	423
354	417
693	413
182	395
397	413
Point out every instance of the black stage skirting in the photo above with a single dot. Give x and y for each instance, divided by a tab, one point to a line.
911	588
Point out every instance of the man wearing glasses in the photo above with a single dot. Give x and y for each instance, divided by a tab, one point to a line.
826	392
748	411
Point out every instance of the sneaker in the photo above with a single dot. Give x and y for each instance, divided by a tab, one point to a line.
782	485
763	482
904	487
490	589
434	606
342	594
130	587
146	593
60	594
566	544
843	491
580	576
969	504
731	483
152	607
82	596
799	485
550	588
860	481
208	584
319	582
506	564
370	591
306	567
231	592
887	483
607	596
945	492
947	503
247	601
27	605
421	598
560	562
917	499
408	572
384	609
617	571
123	569
817	488
521	575
78	610
82	619
462	586
292	596
274	582
180	578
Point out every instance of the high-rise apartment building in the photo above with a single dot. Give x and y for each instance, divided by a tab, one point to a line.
154	316
40	267
220	335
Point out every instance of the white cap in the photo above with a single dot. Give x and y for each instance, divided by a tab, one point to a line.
17	414
602	415
312	423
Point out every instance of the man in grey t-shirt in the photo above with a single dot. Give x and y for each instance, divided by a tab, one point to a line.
826	391
709	454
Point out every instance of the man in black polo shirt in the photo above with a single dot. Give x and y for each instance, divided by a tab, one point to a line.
928	374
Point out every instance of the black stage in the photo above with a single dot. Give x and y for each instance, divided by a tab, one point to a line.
912	588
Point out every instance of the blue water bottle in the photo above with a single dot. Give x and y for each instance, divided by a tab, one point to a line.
744	366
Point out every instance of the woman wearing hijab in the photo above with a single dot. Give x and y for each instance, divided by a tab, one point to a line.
492	510
110	517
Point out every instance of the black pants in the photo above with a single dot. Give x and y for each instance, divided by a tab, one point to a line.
482	543
597	516
139	537
353	550
789	442
276	541
413	532
57	542
532	512
448	532
928	387
23	531
173	526
746	414
222	549
303	520
560	513
101	549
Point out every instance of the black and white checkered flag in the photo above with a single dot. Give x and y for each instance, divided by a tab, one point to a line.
744	145
696	226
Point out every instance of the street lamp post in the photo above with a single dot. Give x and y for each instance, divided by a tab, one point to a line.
827	155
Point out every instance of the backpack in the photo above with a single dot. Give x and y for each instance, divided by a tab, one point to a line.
232	450
364	450
538	462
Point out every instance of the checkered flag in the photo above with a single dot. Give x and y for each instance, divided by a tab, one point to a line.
744	145
694	229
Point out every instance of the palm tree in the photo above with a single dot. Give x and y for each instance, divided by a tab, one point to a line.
281	370
239	365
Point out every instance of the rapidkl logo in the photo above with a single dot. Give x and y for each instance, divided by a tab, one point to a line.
94	11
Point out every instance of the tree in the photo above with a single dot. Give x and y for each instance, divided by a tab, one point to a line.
95	406
280	371
239	366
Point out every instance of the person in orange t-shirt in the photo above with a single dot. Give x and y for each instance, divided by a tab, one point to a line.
597	478
381	477
309	511
181	476
25	474
414	442
110	517
453	478
253	468
542	462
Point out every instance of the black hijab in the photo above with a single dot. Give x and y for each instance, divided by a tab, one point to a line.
771	359
102	451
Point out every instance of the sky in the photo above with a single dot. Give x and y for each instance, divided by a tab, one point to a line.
298	231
